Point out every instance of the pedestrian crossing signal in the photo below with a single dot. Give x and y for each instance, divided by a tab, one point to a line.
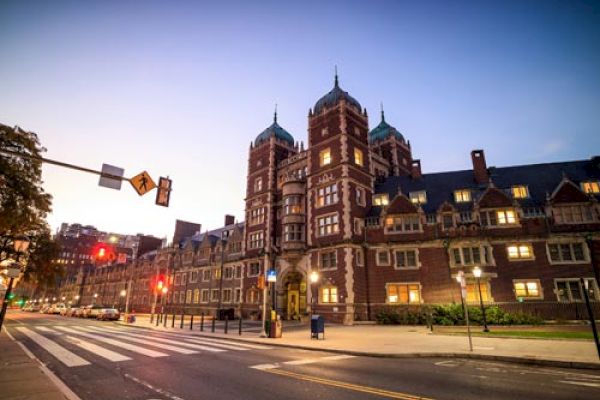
163	194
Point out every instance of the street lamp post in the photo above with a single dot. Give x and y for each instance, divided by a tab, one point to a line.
21	244
477	273
314	278
94	298
460	278
122	294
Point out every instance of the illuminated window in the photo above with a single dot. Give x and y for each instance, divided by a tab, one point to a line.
520	192
573	214
403	223
196	296
498	217
473	292
328	225
358	157
590	187
567	252
293	205
329	294
381	199
403	293
252	296
419	197
462	196
258	184
325	157
520	251
328	260
528	289
327	195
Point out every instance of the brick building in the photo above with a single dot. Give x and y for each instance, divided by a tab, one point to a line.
355	207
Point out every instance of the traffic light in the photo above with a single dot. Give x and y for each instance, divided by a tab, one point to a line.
103	252
163	194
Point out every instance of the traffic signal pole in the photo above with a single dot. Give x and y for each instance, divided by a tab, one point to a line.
5	302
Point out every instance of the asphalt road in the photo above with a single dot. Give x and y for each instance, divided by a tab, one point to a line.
103	360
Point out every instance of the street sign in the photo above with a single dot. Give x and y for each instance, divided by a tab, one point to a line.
271	275
108	182
142	183
122	258
13	272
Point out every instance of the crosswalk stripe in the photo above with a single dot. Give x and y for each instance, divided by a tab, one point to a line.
63	355
116	343
163	346
163	340
248	345
223	345
98	350
46	329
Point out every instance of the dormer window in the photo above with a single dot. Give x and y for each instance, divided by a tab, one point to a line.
419	197
520	192
381	199
498	217
462	196
590	187
325	157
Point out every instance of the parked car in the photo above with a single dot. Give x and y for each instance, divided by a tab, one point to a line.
78	312
57	308
45	307
108	314
36	308
92	310
65	311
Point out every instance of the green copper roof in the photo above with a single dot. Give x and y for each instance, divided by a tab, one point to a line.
274	130
333	97
383	131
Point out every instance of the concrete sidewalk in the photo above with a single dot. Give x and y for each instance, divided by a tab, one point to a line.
25	378
416	341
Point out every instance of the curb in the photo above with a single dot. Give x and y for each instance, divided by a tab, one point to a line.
473	356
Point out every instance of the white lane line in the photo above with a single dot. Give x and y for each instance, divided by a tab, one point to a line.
590	384
154	389
163	340
176	349
100	351
63	355
448	363
318	359
301	362
116	343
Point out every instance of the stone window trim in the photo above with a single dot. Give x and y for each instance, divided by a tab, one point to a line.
382	263
525	281
360	257
358	157
395	252
465	263
326	195
256	266
204	296
193	276
205	274
570	242
256	216
333	224
361	196
214	295
592	284
325	157
227	296
328	294
515	251
332	259
498	218
258	184
566	214
408	286
403	221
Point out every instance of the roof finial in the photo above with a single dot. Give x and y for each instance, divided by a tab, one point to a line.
382	115
336	77
275	114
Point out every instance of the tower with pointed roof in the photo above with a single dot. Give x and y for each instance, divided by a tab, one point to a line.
393	149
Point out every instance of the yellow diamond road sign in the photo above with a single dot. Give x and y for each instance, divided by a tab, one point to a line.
142	183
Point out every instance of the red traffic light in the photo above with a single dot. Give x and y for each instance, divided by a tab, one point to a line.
103	252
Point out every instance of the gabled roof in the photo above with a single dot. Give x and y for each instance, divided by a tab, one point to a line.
540	179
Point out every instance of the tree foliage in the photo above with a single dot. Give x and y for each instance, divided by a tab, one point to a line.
24	204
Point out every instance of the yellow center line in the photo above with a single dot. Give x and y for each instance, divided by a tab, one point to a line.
345	385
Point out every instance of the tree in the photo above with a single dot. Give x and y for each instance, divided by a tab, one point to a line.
24	204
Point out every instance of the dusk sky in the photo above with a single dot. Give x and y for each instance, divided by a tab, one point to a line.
182	88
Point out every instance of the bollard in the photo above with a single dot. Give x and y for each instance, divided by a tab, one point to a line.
191	322
226	323
181	322
156	324
173	321
165	320
240	327
202	322
152	318
213	325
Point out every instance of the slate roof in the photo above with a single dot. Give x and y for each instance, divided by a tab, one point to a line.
213	235
541	180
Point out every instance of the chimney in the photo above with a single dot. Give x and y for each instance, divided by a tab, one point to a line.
480	172
415	169
229	220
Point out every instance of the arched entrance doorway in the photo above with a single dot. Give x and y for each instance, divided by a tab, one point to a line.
294	285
